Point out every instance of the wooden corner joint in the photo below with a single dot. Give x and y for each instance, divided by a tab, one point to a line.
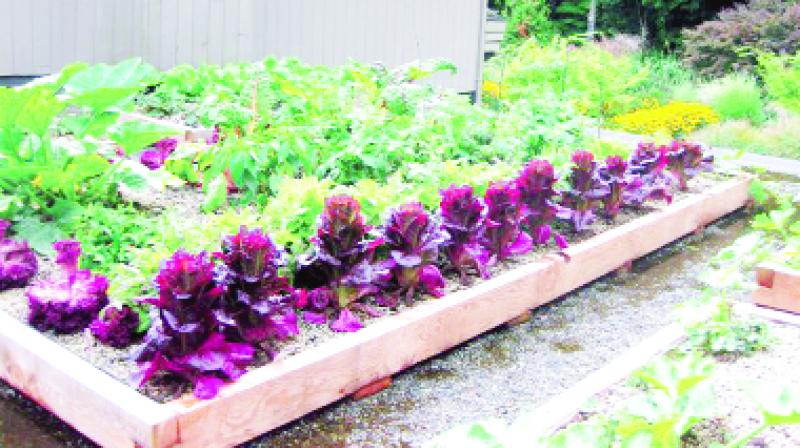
372	388
625	268
521	319
765	277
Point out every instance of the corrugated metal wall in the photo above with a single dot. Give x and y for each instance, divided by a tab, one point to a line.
40	36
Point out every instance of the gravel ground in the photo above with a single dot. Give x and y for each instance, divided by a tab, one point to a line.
736	413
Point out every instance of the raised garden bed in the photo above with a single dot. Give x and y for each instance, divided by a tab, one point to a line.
778	287
606	389
113	414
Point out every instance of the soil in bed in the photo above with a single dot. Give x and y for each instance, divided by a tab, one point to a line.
118	364
736	413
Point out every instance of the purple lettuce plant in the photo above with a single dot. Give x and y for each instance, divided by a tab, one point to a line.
646	168
116	326
68	301
256	305
586	189
183	340
614	175
154	158
536	185
340	271
504	236
413	238
685	160
464	219
213	139
18	263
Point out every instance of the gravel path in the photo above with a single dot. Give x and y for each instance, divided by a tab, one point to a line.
501	374
735	411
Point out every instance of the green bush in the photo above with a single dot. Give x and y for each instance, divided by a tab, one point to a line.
781	76
734	97
598	83
525	19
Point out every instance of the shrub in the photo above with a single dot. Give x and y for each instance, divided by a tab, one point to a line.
715	47
525	19
597	82
734	97
781	76
675	119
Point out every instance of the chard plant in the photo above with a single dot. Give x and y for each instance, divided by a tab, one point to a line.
464	218
504	236
585	191
339	271
536	185
413	238
69	300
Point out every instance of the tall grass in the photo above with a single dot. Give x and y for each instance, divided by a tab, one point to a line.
779	137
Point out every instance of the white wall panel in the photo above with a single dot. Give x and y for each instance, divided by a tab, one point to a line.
40	36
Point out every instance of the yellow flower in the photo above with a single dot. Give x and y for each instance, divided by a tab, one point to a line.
492	88
675	118
37	181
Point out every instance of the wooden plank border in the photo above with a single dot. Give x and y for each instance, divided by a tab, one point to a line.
267	397
778	287
102	408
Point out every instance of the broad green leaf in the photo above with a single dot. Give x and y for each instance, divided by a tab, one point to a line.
40	234
134	135
216	194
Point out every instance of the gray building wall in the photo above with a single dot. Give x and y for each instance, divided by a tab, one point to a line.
40	36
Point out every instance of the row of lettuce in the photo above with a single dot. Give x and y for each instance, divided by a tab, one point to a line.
675	399
213	313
